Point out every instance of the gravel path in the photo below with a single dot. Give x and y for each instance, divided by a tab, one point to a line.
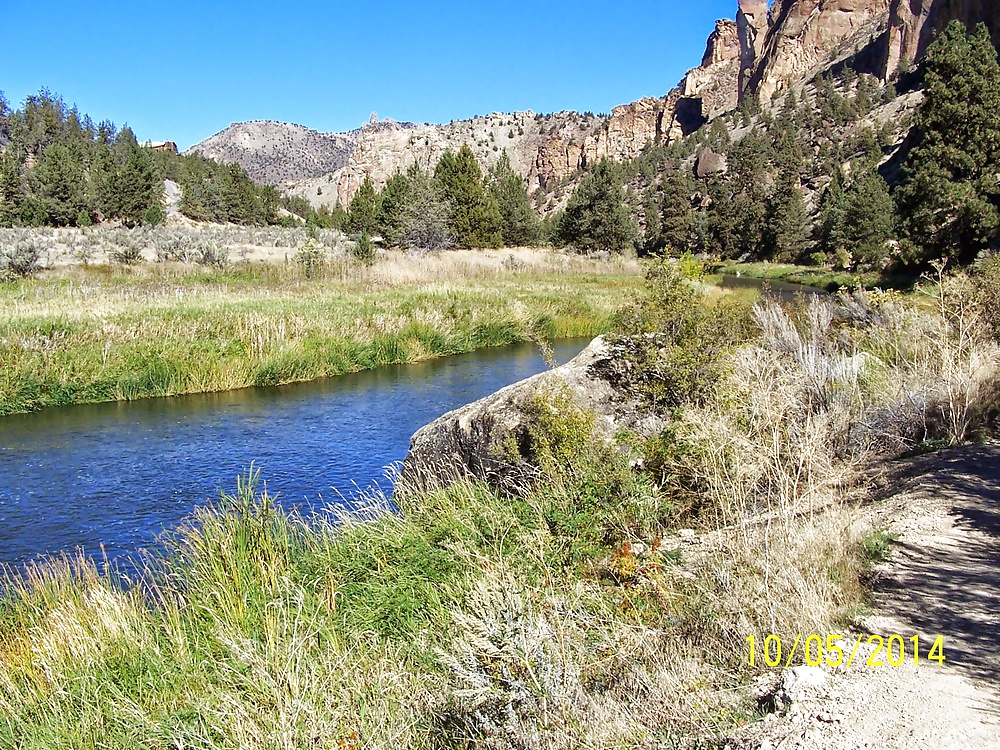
943	579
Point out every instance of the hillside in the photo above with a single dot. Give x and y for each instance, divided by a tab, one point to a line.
276	152
754	57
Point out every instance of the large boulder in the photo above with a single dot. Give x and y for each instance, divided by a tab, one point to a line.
491	439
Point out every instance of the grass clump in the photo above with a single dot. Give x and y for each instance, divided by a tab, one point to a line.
877	546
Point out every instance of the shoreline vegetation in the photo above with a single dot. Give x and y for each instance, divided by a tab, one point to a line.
607	606
84	334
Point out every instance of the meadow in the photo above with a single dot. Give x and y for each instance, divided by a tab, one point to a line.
180	313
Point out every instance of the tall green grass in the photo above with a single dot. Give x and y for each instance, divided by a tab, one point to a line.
100	335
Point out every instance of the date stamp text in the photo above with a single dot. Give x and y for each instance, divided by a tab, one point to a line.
834	651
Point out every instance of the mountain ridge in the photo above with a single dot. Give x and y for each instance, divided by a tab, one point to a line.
757	56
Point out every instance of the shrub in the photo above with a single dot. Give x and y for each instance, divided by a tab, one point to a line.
673	343
364	249
20	260
127	254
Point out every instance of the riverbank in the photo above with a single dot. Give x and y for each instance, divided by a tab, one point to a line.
85	334
607	605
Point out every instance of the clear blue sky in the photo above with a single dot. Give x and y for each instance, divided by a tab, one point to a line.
184	70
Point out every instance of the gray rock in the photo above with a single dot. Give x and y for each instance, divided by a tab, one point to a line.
710	163
798	682
491	440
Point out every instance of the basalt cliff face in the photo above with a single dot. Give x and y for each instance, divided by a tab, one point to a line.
765	51
912	24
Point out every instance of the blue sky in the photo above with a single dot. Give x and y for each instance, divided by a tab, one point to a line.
184	70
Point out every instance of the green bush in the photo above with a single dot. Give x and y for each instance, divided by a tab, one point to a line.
364	249
675	344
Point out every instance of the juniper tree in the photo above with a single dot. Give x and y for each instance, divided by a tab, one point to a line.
519	224
597	216
425	220
950	195
363	208
390	216
475	219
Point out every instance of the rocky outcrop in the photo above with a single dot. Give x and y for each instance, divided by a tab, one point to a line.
752	22
912	24
709	163
805	34
716	82
275	152
491	439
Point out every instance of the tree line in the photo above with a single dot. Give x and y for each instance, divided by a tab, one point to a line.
454	205
944	204
59	168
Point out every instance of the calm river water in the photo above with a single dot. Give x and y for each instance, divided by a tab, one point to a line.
116	475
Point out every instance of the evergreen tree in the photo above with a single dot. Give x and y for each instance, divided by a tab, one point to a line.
475	217
950	195
363	208
519	224
137	185
676	214
788	219
11	188
748	163
239	196
102	185
597	216
869	219
61	184
832	211
391	215
426	219
652	238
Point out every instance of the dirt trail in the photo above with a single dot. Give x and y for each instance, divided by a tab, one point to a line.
943	579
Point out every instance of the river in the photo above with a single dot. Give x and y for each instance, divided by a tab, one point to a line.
108	478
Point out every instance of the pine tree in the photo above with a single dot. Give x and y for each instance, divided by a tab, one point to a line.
597	216
475	217
363	208
949	200
832	210
520	225
239	196
869	219
676	214
391	215
137	184
788	219
61	184
748	163
652	237
11	186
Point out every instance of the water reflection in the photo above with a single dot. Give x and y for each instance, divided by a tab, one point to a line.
118	474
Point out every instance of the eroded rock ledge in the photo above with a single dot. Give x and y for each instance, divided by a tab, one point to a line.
490	440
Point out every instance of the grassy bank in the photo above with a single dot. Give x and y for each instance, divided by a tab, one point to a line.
89	334
607	607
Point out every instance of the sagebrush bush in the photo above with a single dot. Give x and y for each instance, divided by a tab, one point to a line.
19	260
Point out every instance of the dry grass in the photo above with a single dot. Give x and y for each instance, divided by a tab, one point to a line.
97	333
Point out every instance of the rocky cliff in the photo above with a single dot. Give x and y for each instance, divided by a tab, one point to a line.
912	24
760	54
